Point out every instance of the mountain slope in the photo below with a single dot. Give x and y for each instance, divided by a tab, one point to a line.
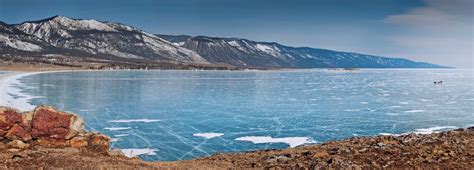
246	53
115	42
12	39
106	38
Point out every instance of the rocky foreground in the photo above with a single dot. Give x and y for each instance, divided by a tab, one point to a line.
48	138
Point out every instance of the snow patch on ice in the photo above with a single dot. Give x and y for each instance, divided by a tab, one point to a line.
116	128
434	129
121	135
136	152
352	110
389	134
414	111
208	135
424	131
292	141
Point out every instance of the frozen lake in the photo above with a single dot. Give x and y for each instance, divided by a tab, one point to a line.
174	115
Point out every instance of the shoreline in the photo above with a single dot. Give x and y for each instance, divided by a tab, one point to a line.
6	81
40	67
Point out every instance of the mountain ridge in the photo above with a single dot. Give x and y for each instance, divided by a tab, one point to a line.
302	57
112	41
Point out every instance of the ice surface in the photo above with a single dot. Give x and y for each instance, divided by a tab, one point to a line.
135	120
165	108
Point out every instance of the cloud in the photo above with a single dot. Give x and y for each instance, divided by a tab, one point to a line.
440	32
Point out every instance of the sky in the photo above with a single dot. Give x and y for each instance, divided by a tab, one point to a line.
436	31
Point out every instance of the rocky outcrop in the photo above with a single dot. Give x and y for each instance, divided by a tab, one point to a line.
48	127
49	123
445	150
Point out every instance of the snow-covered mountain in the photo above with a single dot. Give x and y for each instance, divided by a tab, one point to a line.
246	53
13	39
114	41
106	38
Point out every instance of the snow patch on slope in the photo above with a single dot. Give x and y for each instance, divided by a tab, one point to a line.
82	24
233	43
21	45
268	49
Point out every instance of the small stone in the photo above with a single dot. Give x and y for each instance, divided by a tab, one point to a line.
283	159
99	142
3	146
18	144
321	154
306	153
19	155
116	152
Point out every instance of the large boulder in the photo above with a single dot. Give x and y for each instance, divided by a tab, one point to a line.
48	122
8	117
47	127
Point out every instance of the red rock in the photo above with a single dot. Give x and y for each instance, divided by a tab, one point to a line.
52	143
17	132
79	141
99	142
49	123
8	117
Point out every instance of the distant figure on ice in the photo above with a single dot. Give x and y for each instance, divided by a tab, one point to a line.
438	82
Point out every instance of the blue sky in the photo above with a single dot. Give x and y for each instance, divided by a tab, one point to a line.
438	31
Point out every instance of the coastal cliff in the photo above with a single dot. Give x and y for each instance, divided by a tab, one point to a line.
47	137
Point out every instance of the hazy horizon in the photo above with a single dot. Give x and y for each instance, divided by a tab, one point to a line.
435	31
